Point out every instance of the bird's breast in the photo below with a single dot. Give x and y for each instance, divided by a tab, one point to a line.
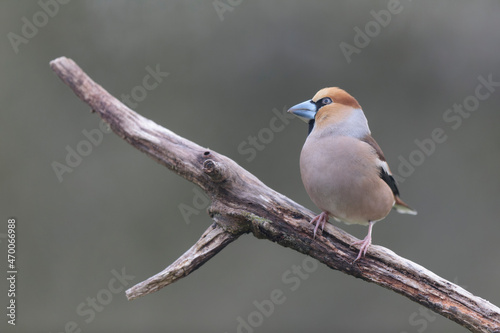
341	176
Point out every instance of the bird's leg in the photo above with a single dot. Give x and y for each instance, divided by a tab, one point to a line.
365	243
319	219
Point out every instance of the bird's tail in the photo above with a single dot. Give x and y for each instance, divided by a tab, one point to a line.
401	207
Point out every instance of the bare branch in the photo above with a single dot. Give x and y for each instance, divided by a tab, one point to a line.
211	242
241	203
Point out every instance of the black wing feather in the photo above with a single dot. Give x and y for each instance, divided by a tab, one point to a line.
389	180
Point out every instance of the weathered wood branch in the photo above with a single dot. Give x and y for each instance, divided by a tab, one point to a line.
241	204
211	242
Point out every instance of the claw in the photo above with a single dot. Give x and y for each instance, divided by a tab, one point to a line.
319	219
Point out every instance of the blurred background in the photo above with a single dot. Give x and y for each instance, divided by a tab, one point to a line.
89	212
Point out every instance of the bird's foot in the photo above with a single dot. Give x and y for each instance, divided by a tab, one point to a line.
365	243
319	219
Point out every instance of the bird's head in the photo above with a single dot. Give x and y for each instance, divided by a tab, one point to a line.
328	107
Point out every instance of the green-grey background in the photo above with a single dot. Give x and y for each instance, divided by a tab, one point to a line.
119	209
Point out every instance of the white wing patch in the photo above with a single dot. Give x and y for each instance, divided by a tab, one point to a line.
383	165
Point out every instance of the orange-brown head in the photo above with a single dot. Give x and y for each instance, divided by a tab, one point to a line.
333	110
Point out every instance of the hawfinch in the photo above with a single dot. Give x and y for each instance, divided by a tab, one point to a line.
343	168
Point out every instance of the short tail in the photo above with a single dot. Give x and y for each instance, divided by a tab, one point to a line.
401	207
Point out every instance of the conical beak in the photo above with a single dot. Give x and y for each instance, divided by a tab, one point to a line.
305	110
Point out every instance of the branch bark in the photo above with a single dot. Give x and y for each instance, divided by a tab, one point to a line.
241	204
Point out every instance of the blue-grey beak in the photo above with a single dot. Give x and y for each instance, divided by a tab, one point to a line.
305	110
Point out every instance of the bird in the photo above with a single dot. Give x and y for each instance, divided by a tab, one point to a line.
342	167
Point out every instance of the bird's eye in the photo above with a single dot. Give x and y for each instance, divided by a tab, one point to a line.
322	102
326	100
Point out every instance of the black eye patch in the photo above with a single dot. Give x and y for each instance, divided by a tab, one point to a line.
319	104
322	102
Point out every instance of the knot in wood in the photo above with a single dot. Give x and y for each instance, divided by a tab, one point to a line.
215	170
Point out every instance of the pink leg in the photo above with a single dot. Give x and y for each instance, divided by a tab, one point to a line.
319	219
365	243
